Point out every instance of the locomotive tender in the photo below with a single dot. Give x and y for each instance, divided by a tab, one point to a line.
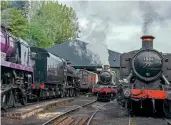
29	73
106	87
52	75
146	79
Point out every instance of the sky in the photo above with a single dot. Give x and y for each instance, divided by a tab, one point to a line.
118	25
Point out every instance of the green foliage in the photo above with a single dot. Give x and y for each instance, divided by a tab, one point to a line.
51	23
15	21
4	5
56	22
21	5
37	34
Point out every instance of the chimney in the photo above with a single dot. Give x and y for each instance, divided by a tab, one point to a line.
147	42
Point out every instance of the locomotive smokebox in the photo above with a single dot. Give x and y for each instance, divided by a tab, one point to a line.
147	42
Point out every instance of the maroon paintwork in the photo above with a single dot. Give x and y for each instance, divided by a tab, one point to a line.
15	66
2	42
7	44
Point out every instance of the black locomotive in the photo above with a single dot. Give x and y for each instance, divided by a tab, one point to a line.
146	79
53	76
106	88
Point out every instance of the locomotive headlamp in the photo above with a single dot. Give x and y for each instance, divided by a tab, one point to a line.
169	95
127	93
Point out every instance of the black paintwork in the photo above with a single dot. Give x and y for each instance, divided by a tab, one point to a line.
145	69
45	70
147	64
105	77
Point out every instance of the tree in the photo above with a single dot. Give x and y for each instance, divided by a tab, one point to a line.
56	22
22	5
50	23
36	33
4	5
14	20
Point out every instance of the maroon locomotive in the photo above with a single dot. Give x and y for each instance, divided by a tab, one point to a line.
29	73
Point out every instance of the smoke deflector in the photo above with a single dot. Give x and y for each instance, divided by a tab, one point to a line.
147	42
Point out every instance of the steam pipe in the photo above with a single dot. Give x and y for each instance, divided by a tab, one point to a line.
129	77
164	78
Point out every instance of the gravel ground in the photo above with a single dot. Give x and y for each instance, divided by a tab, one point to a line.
148	121
87	111
114	115
83	113
111	114
46	115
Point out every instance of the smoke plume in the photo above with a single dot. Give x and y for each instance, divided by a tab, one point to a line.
127	21
97	28
97	43
150	17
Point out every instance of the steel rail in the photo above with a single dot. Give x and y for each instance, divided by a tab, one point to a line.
49	122
92	116
168	121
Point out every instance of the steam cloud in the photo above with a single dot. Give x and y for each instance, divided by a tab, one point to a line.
125	26
97	46
96	37
149	17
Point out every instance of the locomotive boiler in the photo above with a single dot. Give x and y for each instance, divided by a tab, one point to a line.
106	86
146	79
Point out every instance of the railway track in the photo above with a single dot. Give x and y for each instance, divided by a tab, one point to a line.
93	115
168	121
61	119
66	119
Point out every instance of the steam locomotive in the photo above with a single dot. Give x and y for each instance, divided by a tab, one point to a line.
145	79
30	73
53	76
106	88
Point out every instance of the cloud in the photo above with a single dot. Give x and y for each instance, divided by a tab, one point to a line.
125	22
83	23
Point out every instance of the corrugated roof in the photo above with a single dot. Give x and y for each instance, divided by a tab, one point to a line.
75	51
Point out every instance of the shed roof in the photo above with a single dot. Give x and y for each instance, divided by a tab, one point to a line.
79	57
